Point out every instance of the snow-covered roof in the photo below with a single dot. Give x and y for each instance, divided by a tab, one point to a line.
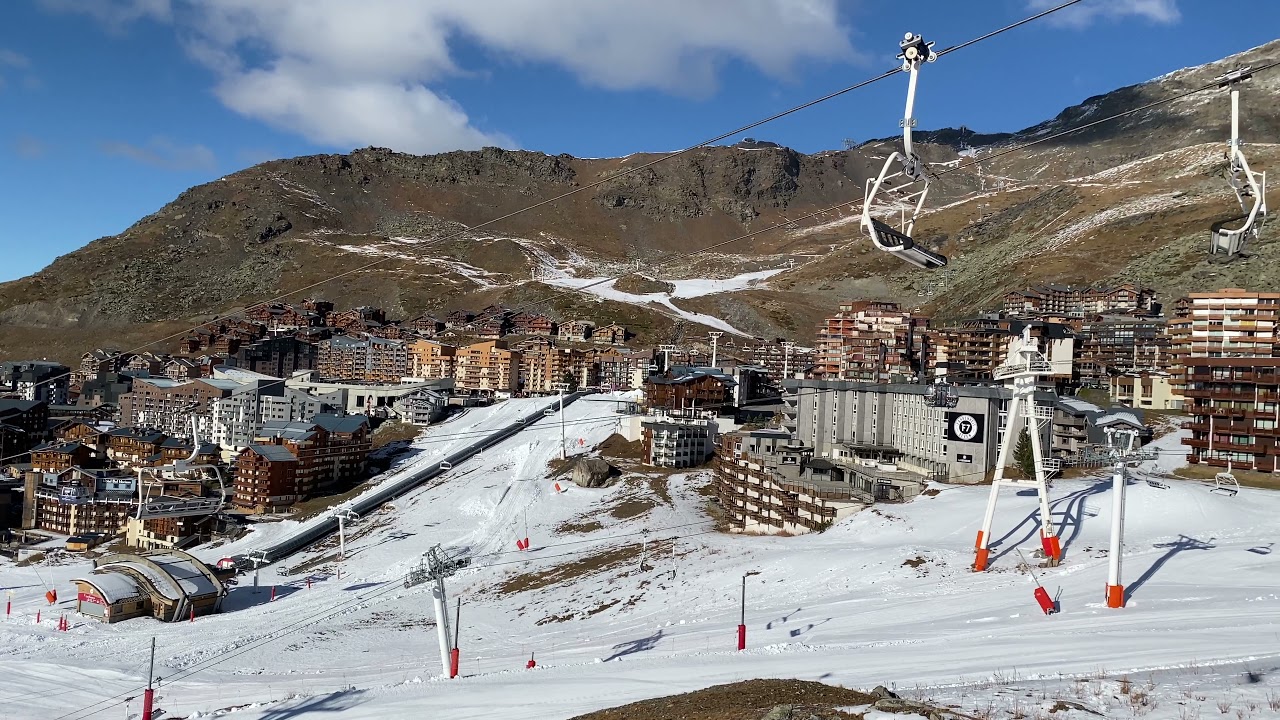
111	586
1078	405
175	578
1118	417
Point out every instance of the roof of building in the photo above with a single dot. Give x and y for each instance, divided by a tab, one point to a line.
1118	417
340	423
112	586
13	405
1077	405
175	578
59	447
274	453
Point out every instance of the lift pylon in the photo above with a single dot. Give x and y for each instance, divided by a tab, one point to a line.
1024	368
1249	187
914	187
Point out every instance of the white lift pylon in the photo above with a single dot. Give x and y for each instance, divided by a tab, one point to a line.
1024	368
1250	187
914	187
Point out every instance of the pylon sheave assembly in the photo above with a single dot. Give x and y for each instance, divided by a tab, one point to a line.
910	193
1250	187
1024	368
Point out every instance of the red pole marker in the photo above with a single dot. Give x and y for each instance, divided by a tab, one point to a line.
273	595
8	607
742	637
531	664
1043	599
37	617
308	582
453	663
193	613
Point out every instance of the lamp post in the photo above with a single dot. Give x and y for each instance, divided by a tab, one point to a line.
742	620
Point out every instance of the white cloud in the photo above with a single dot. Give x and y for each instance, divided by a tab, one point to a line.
115	14
346	73
163	153
1084	14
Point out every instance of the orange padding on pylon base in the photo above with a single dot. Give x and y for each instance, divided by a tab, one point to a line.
1054	547
977	544
1115	596
980	562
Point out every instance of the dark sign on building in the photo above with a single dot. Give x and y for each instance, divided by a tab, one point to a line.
964	427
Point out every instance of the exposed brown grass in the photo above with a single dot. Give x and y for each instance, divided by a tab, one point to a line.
566	572
633	507
747	700
1246	478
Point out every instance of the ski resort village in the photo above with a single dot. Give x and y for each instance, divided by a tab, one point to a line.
945	425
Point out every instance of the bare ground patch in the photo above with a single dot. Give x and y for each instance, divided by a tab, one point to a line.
749	700
631	508
589	565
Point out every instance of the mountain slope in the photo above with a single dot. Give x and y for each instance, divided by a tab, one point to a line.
1130	199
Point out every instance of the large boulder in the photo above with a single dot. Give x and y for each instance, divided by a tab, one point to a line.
592	472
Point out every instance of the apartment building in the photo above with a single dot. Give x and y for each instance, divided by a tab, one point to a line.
526	323
362	359
621	369
296	460
557	369
280	356
36	380
575	330
429	359
487	367
98	362
1234	404
678	438
168	405
689	388
612	334
972	350
1146	389
868	341
1119	345
1072	301
779	361
28	421
767	483
75	500
239	417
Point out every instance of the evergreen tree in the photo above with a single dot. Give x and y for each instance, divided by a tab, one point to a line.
571	381
1024	456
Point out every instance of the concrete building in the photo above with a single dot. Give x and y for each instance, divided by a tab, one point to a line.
364	398
846	422
1072	301
1119	345
767	483
297	460
689	388
678	439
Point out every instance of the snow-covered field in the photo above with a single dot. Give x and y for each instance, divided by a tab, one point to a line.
884	597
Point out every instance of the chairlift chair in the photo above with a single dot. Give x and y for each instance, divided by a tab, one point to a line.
1250	187
446	465
898	241
182	507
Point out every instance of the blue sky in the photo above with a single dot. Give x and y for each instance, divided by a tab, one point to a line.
110	108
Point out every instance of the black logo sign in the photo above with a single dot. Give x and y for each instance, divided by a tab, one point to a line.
963	427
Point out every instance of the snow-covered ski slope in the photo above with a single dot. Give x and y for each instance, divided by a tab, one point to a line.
884	597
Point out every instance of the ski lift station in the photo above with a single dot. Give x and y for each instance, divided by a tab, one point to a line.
169	585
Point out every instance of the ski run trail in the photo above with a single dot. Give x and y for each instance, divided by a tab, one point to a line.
614	614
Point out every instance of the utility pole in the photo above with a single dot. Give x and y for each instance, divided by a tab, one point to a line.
439	566
1115	591
149	695
562	440
344	516
786	359
258	559
715	337
666	351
